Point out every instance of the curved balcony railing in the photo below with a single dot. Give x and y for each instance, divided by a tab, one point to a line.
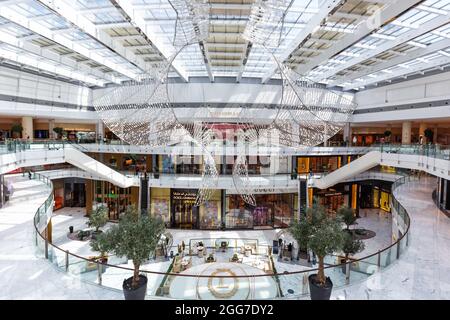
278	281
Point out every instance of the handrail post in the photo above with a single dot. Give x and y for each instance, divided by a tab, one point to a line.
379	260
46	248
398	249
347	272
99	273
67	260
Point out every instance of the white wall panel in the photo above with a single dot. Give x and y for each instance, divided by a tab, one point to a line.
435	87
23	84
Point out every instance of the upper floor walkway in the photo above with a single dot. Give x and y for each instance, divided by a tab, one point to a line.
434	160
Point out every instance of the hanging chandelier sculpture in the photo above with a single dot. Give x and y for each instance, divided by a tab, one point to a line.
141	112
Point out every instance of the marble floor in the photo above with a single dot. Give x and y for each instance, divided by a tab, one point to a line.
22	274
372	219
423	271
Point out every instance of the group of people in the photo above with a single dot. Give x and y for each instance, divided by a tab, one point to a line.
283	246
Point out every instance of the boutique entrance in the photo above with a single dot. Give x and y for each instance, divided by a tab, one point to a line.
183	209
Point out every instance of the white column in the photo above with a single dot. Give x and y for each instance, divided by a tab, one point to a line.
422	128
51	126
347	133
100	130
27	124
406	132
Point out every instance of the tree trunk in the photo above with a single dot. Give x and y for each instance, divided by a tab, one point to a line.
135	281
321	272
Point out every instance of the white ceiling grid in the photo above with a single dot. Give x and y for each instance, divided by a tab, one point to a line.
99	42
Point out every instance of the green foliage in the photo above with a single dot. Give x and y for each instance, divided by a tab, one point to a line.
387	133
17	127
320	233
83	234
429	134
59	131
136	236
351	246
348	216
98	218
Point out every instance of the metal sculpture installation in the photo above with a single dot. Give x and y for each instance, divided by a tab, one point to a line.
140	112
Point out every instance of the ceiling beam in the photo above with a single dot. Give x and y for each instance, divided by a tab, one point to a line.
328	6
434	47
432	64
38	28
403	38
110	25
167	50
384	15
43	56
65	10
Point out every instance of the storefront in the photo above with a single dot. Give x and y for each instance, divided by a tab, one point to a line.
271	210
160	204
176	207
376	195
211	212
334	198
318	164
184	212
74	192
116	199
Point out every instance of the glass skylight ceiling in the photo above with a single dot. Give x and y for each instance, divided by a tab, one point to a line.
74	35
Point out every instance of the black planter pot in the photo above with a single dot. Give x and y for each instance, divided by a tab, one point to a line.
317	292
135	294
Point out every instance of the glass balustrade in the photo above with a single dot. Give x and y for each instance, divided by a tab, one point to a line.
279	281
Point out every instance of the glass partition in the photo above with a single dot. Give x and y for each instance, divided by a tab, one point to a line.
272	278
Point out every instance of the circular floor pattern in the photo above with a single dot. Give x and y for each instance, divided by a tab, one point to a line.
223	288
363	234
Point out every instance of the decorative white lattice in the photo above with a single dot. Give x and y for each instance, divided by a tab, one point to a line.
140	112
192	23
266	21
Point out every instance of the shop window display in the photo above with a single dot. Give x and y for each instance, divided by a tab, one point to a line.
184	211
116	199
160	209
210	215
160	204
317	164
271	210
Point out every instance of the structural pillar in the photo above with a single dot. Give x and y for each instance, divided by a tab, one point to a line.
422	128
325	135
347	134
406	132
51	126
27	124
100	130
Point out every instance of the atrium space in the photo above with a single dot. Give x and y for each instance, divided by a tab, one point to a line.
197	150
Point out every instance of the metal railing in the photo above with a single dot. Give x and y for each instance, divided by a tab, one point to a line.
290	284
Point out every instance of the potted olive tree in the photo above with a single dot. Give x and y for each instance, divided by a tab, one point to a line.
98	218
348	216
351	246
323	235
136	236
